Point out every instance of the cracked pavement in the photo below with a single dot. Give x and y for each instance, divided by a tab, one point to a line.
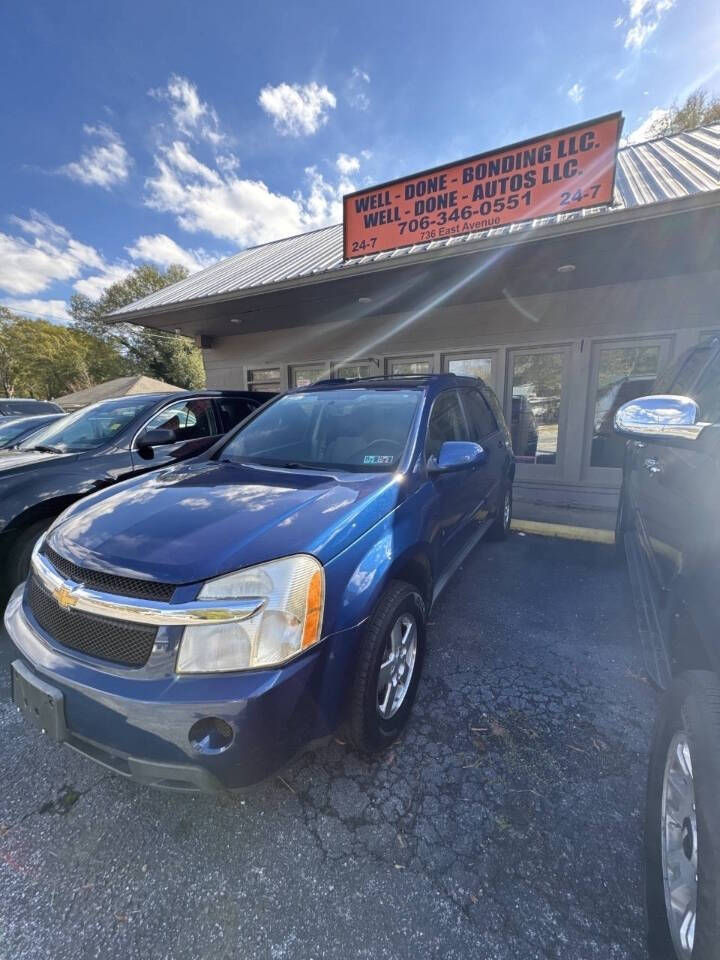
506	823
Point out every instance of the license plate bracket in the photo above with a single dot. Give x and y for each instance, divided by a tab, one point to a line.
41	703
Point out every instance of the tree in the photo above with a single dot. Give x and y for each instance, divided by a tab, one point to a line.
165	356
42	359
699	108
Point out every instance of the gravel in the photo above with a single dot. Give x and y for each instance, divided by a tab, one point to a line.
505	824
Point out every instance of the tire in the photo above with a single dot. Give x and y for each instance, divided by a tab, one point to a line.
372	722
688	722
18	564
501	525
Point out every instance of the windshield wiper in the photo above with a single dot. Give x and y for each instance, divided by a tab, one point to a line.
44	448
298	465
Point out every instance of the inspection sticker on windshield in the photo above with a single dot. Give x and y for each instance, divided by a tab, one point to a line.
378	460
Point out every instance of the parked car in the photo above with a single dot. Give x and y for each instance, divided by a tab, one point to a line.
669	523
195	628
22	406
15	429
97	446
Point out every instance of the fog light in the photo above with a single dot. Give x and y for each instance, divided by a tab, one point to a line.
211	735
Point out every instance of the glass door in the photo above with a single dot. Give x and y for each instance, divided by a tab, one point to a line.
620	370
535	409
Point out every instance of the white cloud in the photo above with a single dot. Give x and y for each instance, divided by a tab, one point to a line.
347	164
643	19
576	92
48	253
618	22
297	110
55	310
164	251
102	165
192	116
94	286
644	130
238	209
620	73
357	89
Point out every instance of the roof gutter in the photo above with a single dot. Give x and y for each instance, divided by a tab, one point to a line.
597	221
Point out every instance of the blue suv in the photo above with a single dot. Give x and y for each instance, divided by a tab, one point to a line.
196	627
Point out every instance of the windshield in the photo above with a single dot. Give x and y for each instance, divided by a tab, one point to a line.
89	428
349	429
12	429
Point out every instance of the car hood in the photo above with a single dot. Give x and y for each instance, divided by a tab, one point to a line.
18	461
201	520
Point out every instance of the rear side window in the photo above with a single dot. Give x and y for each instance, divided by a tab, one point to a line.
707	394
480	417
233	410
446	423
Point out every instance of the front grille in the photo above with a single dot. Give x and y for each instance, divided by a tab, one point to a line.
127	643
107	582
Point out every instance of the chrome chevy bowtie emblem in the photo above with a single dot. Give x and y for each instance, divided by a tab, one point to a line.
65	597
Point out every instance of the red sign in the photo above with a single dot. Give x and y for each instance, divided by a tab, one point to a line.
558	173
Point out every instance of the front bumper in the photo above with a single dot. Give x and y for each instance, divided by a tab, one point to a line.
138	725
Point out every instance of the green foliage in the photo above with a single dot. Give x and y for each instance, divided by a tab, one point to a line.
698	109
44	360
138	350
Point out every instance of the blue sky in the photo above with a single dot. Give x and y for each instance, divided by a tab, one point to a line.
183	131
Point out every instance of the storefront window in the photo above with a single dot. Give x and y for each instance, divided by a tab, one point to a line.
410	368
305	375
537	382
355	371
264	380
624	373
471	367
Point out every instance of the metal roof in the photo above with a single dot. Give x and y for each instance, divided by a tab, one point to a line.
667	168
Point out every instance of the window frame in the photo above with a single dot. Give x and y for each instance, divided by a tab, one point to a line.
260	386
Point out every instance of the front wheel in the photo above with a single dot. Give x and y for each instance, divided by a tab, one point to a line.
682	825
388	669
18	563
501	525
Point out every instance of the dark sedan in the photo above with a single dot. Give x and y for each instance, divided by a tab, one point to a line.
95	447
13	430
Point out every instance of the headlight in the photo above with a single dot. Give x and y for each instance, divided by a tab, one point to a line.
289	621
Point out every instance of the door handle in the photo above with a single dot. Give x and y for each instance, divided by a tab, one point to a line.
652	466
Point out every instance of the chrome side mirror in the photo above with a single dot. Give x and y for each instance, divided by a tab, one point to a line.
659	418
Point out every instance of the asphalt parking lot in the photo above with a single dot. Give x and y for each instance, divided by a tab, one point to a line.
505	824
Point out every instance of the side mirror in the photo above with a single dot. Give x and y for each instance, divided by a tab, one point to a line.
659	418
155	438
457	455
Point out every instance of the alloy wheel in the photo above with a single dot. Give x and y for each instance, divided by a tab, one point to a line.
678	837
397	666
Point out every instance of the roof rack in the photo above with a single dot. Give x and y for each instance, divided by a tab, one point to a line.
383	376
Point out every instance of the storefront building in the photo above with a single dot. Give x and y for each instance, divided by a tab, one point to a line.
566	316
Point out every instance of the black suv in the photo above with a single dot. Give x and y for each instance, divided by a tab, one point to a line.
669	525
98	446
